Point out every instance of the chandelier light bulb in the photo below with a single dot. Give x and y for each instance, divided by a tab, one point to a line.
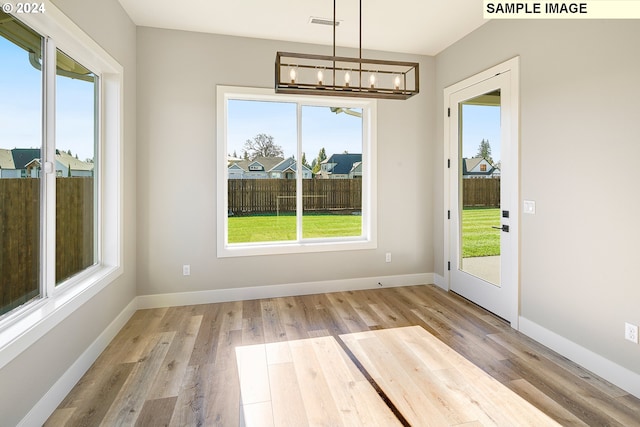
396	83
347	79
372	80
292	74
320	76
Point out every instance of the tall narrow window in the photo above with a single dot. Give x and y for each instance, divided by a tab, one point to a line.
295	174
20	160
76	167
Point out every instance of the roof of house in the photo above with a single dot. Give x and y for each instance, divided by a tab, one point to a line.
289	163
267	162
23	156
343	162
72	163
470	164
6	159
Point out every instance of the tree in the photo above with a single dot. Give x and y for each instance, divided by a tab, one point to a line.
262	145
322	155
304	161
484	150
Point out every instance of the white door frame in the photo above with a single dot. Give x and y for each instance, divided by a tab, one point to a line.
512	272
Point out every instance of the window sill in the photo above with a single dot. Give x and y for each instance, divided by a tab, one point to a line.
280	248
35	320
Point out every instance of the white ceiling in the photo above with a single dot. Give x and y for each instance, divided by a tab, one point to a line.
409	26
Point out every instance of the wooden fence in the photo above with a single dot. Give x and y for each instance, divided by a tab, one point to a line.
277	196
481	192
20	235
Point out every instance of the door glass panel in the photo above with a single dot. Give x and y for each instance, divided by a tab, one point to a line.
20	162
480	187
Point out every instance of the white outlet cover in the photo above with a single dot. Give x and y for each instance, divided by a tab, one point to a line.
631	332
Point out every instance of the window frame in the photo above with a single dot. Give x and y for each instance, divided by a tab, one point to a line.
23	326
368	239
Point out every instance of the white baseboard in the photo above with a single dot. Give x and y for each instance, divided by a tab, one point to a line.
274	291
50	401
440	282
605	368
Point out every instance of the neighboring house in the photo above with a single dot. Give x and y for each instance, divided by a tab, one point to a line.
67	165
21	158
267	167
7	167
26	163
479	167
341	166
286	169
356	170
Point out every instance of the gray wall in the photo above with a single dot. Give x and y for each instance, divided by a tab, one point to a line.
27	378
580	127
177	77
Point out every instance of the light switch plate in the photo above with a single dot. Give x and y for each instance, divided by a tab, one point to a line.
529	207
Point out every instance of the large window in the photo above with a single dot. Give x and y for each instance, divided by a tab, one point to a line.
295	174
60	139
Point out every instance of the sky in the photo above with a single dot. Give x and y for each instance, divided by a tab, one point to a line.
337	133
480	122
21	109
21	117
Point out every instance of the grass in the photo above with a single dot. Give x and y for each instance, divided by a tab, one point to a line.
271	228
478	238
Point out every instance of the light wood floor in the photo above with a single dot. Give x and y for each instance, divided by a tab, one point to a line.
177	366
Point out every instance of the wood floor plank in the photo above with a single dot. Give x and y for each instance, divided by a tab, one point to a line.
169	378
156	412
131	398
271	322
252	327
288	406
541	400
95	393
253	370
190	405
208	387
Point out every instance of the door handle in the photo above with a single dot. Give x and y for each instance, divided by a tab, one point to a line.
504	228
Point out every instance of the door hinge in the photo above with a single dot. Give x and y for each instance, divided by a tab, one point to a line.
449	214
448	112
449	265
448	163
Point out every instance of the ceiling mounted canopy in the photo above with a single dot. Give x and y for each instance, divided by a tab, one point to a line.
309	74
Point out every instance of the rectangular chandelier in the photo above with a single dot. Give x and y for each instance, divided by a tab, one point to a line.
308	74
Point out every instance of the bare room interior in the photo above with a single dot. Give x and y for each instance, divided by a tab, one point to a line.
469	260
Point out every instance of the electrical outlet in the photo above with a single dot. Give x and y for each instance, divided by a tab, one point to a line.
186	270
387	257
631	332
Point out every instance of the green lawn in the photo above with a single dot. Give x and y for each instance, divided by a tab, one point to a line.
271	228
478	238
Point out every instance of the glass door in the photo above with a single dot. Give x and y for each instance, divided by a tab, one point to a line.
483	238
